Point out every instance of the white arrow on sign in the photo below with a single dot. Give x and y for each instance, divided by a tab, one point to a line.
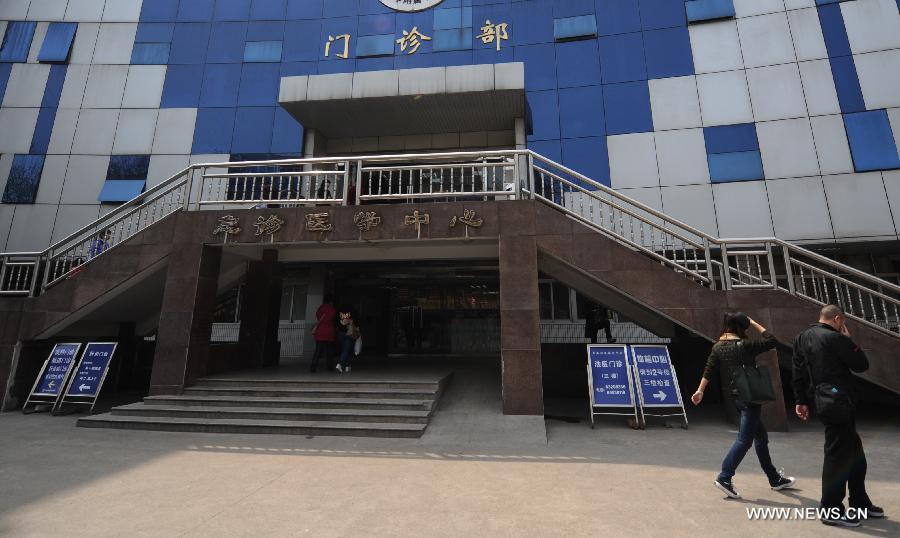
83	387
661	396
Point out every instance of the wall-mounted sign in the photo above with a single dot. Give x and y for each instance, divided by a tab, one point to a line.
411	5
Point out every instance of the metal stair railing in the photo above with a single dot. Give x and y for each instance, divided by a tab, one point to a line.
730	264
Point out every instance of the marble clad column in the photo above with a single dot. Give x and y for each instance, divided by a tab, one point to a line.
520	335
185	320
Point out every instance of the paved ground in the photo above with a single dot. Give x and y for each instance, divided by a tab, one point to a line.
476	473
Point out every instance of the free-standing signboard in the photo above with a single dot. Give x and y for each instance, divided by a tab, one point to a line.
53	375
609	380
656	380
85	384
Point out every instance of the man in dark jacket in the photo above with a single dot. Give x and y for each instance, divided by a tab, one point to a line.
824	356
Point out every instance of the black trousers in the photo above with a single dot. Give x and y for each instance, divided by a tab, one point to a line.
323	349
592	332
844	467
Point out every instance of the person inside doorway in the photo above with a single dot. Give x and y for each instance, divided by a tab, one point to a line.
325	333
348	334
596	318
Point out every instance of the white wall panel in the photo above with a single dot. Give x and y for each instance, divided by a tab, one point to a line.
872	25
26	85
84	44
776	92
747	8
52	179
806	31
650	196
7	211
831	144
675	103
63	131
879	77
175	131
681	155
144	86
787	148
162	167
105	86
85	10
47	10
17	140
632	161
818	87
134	133
892	186
85	178
37	41
799	4
715	46
122	11
799	209
74	86
724	98
71	218
894	119
858	205
95	132
114	43
13	10
742	209
31	227
693	205
766	40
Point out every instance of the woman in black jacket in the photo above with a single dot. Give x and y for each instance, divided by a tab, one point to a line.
734	349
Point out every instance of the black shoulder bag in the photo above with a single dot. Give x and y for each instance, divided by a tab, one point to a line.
833	404
752	383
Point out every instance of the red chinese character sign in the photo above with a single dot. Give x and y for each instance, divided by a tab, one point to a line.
411	5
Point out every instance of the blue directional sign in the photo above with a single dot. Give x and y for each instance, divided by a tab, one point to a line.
56	370
92	369
656	376
610	376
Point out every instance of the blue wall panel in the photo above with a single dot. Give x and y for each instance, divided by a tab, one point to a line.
581	112
5	70
731	138
116	191
657	14
587	156
306	9
189	43
155	32
226	42
618	16
543	109
668	53
287	134
834	31
220	85
159	11
58	42
150	54
17	41
627	107
213	131
577	63
871	141
182	86
232	10
259	85
622	58
846	82
196	10
253	130
267	10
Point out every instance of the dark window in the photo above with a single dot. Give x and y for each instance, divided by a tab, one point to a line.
24	178
581	27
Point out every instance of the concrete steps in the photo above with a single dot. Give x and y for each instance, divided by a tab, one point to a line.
330	406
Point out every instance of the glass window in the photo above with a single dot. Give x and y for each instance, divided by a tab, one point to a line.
457	39
375	45
120	190
58	42
262	51
545	300
24	178
708	10
581	27
560	301
128	167
150	54
17	41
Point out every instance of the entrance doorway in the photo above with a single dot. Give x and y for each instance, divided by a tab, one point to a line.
430	309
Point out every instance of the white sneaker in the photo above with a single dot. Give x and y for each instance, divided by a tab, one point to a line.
347	370
339	368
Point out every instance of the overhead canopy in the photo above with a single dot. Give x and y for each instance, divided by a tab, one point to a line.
487	97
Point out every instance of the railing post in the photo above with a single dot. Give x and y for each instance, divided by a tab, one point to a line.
34	276
726	269
188	186
358	190
530	175
346	182
771	260
789	273
709	267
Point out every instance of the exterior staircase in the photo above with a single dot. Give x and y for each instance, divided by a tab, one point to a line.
331	405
